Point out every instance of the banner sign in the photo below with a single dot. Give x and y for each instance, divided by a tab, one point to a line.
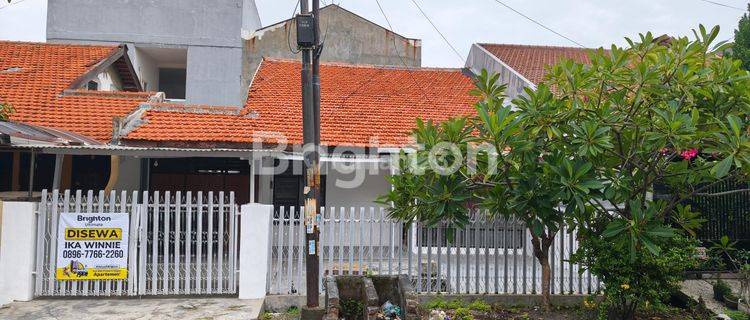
92	246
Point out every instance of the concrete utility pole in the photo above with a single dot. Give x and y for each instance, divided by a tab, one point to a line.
308	39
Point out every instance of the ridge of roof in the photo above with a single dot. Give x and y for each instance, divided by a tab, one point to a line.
338	7
367	66
192	108
539	46
109	94
73	45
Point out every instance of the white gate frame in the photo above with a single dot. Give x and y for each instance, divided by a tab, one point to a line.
172	273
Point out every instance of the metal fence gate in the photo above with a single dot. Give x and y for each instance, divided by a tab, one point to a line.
488	256
179	243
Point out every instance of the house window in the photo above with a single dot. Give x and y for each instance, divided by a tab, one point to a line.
172	82
288	193
92	85
475	236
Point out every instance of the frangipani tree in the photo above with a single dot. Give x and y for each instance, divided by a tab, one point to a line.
667	111
498	160
594	138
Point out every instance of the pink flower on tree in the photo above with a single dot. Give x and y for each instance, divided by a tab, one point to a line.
689	154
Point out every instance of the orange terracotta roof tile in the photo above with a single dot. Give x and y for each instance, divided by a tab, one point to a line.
34	78
532	61
359	105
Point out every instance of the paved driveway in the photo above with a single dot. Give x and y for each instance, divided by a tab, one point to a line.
133	308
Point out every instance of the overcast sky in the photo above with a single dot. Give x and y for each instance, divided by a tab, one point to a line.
592	23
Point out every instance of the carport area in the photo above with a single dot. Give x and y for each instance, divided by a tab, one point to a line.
183	308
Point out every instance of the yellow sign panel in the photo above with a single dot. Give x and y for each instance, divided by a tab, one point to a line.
93	234
67	273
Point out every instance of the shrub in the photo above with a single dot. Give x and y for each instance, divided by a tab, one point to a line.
454	304
648	281
464	314
737	315
437	303
479	305
352	309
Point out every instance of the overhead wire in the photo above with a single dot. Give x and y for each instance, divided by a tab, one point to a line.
538	23
460	56
723	5
288	30
395	49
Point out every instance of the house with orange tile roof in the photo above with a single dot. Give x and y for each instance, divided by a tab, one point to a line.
65	91
521	66
148	143
367	111
142	141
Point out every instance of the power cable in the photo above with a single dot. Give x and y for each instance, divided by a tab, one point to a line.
390	27
538	23
288	30
723	5
395	49
460	56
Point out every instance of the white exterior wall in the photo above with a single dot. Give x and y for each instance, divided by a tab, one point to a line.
129	178
145	67
339	193
17	251
109	80
479	59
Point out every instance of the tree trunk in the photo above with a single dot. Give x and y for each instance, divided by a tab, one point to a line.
546	275
541	247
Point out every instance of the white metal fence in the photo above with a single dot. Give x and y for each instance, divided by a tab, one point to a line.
488	256
179	243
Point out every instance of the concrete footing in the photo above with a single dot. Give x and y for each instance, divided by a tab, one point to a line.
316	313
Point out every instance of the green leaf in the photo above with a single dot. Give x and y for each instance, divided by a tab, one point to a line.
653	248
537	228
661	231
735	123
722	168
614	228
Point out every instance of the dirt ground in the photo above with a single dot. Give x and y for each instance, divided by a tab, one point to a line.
569	314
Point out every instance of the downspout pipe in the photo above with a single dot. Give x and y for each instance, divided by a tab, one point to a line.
114	173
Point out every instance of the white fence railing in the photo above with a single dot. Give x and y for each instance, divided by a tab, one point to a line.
179	243
488	256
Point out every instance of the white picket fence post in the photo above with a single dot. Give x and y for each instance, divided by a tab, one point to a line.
255	239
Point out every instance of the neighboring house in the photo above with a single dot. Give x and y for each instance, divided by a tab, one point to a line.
364	109
520	66
189	49
372	92
348	38
60	86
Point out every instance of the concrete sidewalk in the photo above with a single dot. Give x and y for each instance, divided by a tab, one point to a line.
133	308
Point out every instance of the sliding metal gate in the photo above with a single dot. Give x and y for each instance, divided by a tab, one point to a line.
179	243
